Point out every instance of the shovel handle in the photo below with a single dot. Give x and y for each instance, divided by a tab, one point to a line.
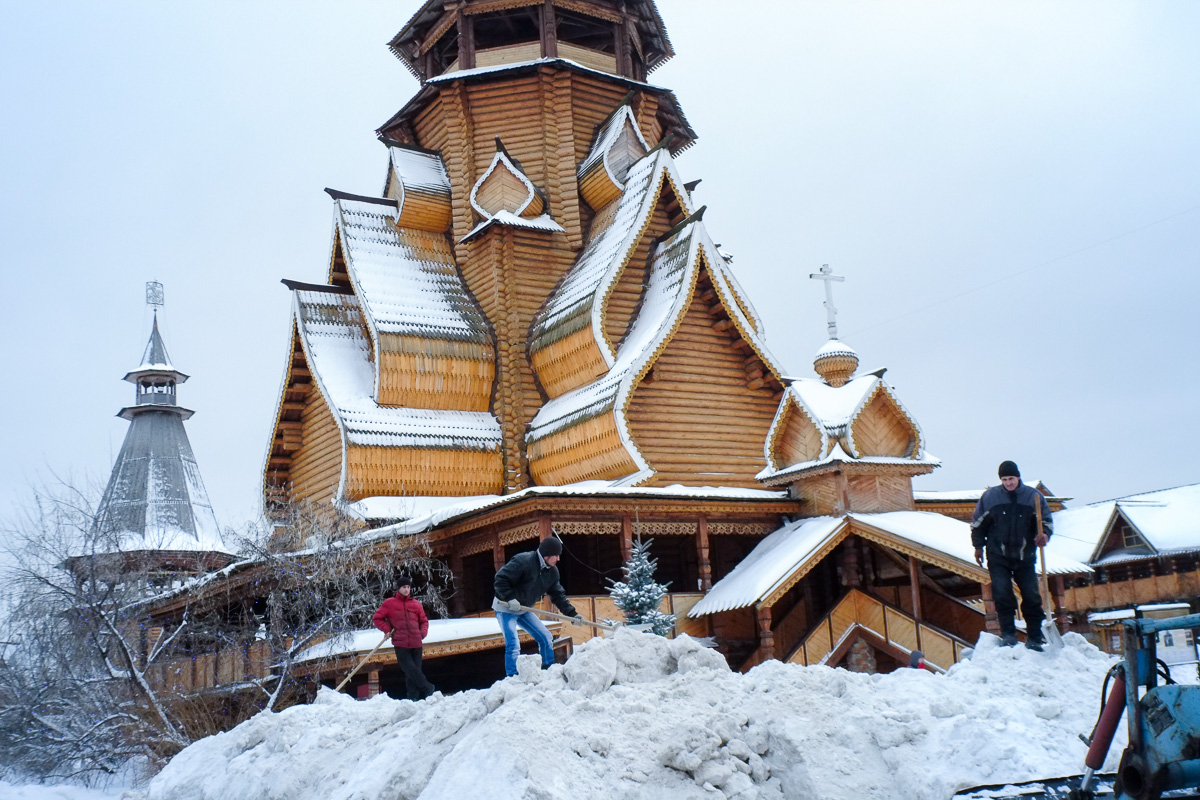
1046	599
565	618
346	679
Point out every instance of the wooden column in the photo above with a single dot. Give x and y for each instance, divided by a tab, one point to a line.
914	578
545	529
372	683
466	41
991	623
458	600
702	554
626	537
842	505
497	551
766	639
1056	595
621	50
549	30
851	574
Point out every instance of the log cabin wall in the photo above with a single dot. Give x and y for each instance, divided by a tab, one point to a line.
694	416
876	493
316	468
385	471
546	121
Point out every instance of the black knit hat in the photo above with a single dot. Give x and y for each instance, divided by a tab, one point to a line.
550	547
403	580
1008	469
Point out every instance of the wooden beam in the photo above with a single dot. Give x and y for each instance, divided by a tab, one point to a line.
702	554
914	581
549	30
766	639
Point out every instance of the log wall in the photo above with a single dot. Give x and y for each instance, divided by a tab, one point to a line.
399	471
317	465
694	417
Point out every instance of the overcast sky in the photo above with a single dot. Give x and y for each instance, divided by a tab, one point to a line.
1012	191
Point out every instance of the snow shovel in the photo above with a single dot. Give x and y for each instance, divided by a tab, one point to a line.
606	628
374	649
1049	626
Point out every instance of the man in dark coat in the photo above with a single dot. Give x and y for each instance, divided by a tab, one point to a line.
1005	524
522	582
403	618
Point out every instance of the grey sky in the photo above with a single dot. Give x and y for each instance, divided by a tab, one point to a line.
1011	190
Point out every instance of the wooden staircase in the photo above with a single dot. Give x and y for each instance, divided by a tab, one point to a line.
884	625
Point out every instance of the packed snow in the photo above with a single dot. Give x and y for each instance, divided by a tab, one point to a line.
639	716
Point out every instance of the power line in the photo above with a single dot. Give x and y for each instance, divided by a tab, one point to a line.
1010	276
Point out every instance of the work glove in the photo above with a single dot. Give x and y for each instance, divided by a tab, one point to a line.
514	606
579	619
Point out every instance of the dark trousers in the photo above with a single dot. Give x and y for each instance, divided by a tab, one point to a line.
1005	572
415	684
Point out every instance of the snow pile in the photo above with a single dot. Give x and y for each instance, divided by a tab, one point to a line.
638	716
12	791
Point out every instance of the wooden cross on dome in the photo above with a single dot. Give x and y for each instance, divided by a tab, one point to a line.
826	274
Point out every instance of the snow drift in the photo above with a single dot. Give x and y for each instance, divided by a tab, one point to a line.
639	716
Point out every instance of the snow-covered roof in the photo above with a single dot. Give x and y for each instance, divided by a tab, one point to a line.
419	171
788	549
1130	613
616	124
335	342
542	222
155	498
424	513
1168	520
835	347
834	409
673	274
576	302
967	495
407	280
440	632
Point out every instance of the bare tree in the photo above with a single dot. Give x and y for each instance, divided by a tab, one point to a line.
74	696
327	588
94	629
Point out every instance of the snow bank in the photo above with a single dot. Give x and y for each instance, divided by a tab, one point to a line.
12	791
638	716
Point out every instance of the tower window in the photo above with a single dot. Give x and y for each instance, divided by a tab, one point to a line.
589	32
445	51
502	28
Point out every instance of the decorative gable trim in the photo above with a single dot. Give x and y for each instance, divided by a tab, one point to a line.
1120	533
502	169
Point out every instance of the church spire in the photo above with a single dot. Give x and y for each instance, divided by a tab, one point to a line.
155	499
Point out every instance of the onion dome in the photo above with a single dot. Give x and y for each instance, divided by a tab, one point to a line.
835	362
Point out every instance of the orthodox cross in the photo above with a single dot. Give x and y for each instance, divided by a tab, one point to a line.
826	274
154	295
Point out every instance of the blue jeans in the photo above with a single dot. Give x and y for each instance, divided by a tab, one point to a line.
512	646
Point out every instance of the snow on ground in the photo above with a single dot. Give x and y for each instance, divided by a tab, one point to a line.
638	716
11	791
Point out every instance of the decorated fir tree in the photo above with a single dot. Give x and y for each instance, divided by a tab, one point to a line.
639	595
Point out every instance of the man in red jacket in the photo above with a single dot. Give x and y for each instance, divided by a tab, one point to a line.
404	619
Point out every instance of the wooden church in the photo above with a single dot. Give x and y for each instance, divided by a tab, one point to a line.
530	332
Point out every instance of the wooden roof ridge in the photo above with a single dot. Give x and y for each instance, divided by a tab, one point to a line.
360	198
575	302
315	287
685	134
349	391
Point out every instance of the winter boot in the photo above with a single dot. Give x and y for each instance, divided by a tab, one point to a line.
1033	644
1008	640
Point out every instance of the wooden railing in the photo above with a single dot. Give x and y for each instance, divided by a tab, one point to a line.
859	610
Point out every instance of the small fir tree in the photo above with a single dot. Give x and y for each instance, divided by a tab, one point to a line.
639	595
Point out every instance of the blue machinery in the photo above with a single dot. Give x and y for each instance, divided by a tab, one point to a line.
1163	754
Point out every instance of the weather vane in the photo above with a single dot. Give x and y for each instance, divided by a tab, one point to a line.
154	295
826	274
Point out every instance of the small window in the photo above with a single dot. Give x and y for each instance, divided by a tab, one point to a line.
1129	537
502	28
1168	640
589	32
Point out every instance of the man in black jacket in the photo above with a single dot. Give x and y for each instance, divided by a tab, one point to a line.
1005	522
522	582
